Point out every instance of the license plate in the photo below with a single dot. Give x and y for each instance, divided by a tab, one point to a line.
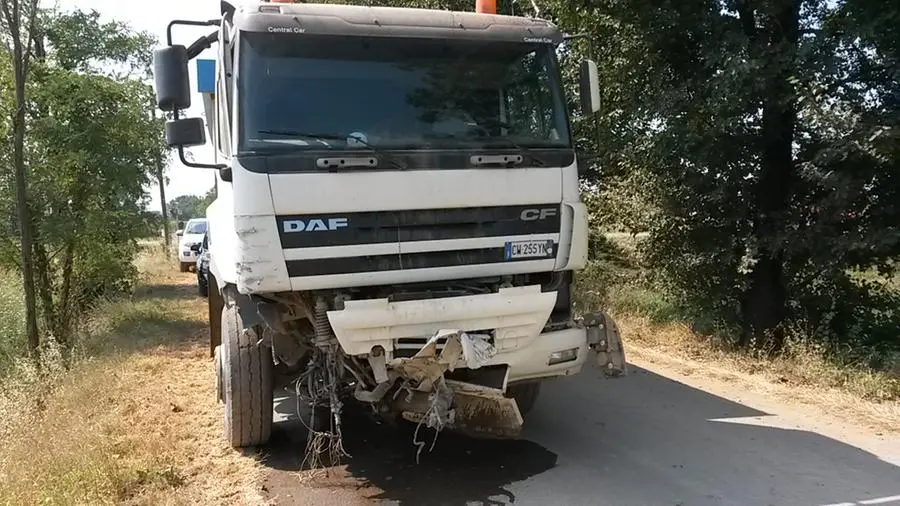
528	249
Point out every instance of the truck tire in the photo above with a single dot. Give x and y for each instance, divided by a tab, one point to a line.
525	394
246	382
185	266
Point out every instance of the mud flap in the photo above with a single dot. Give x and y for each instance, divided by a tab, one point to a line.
604	338
487	414
476	410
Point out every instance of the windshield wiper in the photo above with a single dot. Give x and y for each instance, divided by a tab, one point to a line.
336	137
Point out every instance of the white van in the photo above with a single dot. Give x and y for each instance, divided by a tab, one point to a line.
191	235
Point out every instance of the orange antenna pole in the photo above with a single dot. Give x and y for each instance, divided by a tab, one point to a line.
486	6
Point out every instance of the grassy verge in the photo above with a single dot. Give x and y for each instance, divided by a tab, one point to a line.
135	421
653	325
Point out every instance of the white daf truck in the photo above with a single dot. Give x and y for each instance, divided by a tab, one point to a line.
398	217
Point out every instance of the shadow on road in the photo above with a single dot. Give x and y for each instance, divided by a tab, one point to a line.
459	470
651	440
639	440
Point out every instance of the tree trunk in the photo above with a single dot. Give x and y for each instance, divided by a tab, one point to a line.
31	328
64	312
162	199
44	285
161	180
764	305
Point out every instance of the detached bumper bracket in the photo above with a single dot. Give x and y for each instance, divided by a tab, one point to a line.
603	337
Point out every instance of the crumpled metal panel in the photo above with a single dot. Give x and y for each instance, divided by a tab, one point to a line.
475	409
518	314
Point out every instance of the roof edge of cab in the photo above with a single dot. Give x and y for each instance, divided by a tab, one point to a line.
352	20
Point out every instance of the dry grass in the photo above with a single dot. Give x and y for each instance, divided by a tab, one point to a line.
803	374
135	421
652	328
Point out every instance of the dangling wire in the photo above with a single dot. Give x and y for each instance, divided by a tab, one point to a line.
321	381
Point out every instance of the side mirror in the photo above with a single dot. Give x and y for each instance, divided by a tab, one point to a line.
195	248
590	88
185	132
170	73
179	233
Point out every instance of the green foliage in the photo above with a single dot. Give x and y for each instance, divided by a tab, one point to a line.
152	224
82	43
754	142
186	207
12	319
758	148
92	148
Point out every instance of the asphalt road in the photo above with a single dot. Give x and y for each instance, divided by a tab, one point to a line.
639	440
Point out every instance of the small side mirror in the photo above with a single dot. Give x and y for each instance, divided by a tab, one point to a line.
590	88
170	73
195	248
185	132
179	233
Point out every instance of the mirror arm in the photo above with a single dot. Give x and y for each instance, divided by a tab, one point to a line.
187	22
188	163
202	44
193	51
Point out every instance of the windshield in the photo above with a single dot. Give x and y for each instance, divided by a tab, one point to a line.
195	227
315	92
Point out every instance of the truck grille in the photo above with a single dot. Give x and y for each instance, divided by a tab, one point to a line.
399	227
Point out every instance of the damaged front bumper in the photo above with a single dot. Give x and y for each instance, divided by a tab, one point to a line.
428	394
501	334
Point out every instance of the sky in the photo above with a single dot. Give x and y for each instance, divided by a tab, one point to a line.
153	16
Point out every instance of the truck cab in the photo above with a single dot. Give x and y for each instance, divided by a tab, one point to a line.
398	210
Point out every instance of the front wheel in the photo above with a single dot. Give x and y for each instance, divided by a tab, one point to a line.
246	369
185	266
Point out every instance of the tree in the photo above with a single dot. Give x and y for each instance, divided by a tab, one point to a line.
755	139
97	148
207	199
91	151
17	29
186	207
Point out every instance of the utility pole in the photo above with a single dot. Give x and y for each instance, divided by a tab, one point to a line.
161	180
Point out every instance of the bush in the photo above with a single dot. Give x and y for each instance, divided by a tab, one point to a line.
12	320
